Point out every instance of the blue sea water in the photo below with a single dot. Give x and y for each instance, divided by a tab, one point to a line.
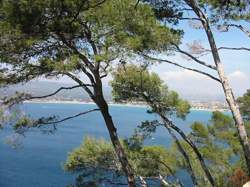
38	162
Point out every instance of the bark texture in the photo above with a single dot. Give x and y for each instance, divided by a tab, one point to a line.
225	83
102	104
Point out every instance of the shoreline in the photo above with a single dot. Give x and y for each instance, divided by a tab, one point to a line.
114	104
86	102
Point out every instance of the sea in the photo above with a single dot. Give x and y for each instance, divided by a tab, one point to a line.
38	160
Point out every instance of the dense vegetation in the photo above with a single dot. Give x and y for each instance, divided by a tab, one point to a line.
217	142
88	40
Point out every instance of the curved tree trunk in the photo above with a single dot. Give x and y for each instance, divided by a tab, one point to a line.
102	104
192	145
183	152
168	123
225	83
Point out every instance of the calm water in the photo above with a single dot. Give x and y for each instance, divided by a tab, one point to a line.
38	163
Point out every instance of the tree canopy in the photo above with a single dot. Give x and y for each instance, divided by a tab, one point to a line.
245	105
136	83
76	38
95	161
53	37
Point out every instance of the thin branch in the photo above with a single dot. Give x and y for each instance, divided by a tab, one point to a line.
172	173
82	56
80	83
104	69
225	28
169	124
75	50
86	8
185	9
24	97
97	4
194	58
184	18
68	118
208	51
88	35
54	93
234	48
164	182
160	178
178	65
104	75
137	3
143	182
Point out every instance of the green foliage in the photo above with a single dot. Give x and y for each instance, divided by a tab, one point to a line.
228	10
153	160
130	82
219	145
148	161
244	103
217	142
198	129
92	153
221	121
23	122
134	83
7	115
135	29
51	37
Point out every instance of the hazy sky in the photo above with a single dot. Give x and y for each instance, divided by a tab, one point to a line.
236	63
195	86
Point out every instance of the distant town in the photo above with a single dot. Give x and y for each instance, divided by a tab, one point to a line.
211	105
196	105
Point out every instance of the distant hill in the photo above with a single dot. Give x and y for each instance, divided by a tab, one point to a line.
39	88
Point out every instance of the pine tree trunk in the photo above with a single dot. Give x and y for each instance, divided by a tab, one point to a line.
102	104
169	124
118	147
192	145
183	152
225	84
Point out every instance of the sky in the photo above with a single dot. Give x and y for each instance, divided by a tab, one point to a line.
194	86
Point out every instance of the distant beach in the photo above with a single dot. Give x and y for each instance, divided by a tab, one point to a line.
114	104
85	102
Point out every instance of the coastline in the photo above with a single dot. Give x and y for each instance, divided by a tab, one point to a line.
84	103
116	104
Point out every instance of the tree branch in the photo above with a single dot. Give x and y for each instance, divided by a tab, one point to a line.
23	97
81	8
80	83
172	173
234	48
184	18
225	28
75	50
137	3
194	58
178	65
67	118
54	93
169	124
